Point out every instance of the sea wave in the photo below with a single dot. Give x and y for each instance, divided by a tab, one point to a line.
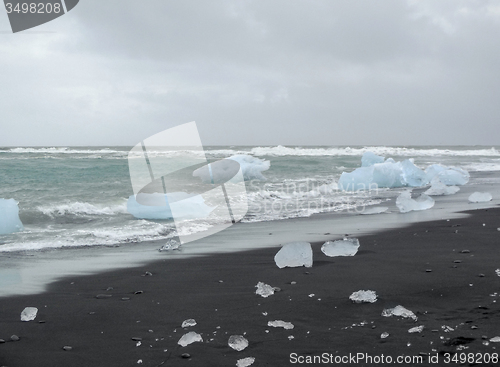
63	150
82	208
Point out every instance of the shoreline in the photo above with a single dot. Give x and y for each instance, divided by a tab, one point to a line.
393	263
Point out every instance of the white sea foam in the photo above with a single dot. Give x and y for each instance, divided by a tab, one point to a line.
64	150
82	208
380	150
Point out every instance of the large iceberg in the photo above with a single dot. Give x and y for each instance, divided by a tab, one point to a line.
376	172
9	217
406	204
294	254
251	167
192	206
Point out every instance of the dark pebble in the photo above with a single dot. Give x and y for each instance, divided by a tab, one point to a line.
67	348
102	296
136	339
465	251
125	298
186	355
307	273
457	261
277	289
147	274
41	322
473	327
428	270
481	275
484	337
138	292
14	338
2	341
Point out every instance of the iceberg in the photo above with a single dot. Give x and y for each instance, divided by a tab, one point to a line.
189	338
369	159
237	342
345	247
363	297
438	188
406	204
376	173
399	311
264	290
294	254
193	207
9	217
251	167
480	197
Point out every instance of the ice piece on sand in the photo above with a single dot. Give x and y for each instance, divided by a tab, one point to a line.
280	323
345	247
29	314
406	204
369	159
498	272
399	311
170	245
496	339
237	342
384	335
294	254
264	290
374	210
245	362
189	338
438	188
363	297
9	217
447	175
416	329
480	197
188	323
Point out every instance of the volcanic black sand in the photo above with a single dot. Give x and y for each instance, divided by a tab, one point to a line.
443	271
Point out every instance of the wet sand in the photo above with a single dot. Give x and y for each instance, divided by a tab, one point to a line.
443	271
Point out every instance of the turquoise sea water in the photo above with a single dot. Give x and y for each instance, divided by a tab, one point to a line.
76	196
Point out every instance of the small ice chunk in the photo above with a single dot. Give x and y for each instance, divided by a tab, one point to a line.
188	323
245	362
280	323
416	329
294	254
237	342
496	339
399	311
406	204
170	245
374	210
189	338
369	159
9	217
264	290
384	335
345	247
29	314
498	272
447	329
363	297
438	188
480	197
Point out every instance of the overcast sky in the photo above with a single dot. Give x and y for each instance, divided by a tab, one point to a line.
263	72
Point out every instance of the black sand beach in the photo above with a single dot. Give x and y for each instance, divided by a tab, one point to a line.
443	271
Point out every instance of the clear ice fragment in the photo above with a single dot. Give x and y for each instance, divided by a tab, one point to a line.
374	210
416	329
245	362
189	338
264	290
345	247
188	323
29	314
384	335
280	323
406	204
480	197
399	311
294	254
363	297
170	245
438	188
237	342
9	217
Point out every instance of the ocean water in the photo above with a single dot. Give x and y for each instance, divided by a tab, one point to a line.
76	196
